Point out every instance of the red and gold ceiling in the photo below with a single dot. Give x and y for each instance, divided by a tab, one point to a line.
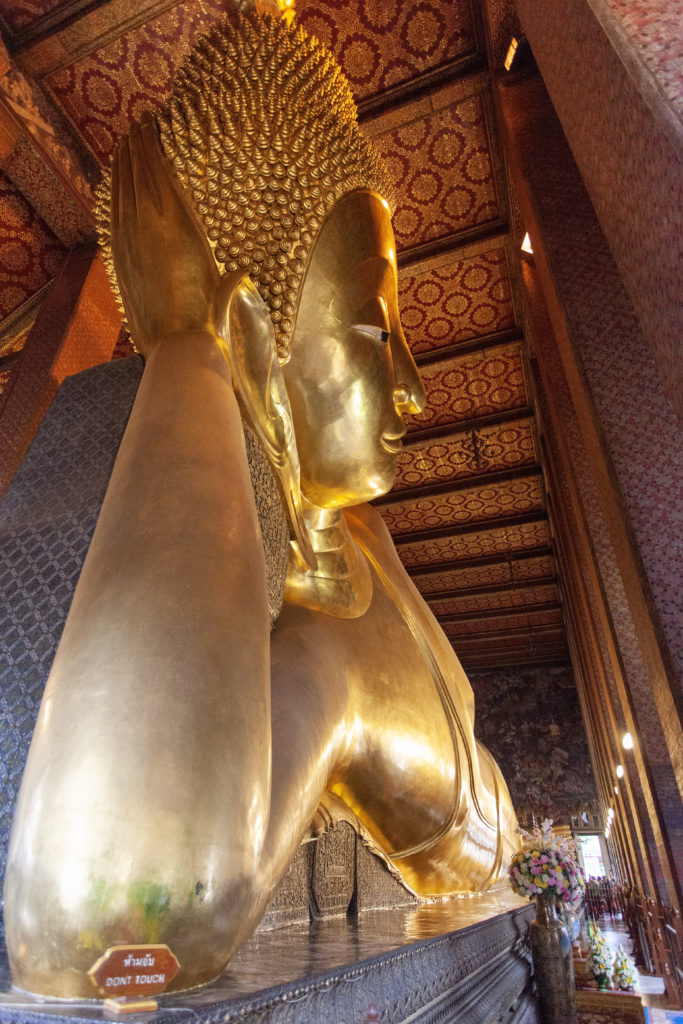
468	511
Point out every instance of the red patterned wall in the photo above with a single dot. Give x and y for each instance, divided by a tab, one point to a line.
654	29
629	159
30	254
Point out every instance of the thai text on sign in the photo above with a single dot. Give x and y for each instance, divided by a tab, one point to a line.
134	970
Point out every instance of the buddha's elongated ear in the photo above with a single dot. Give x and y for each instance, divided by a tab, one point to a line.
243	323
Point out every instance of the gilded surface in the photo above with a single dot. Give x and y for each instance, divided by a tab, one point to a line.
182	751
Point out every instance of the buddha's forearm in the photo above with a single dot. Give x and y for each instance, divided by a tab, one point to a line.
145	800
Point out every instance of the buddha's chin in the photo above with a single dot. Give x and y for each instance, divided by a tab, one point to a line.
340	499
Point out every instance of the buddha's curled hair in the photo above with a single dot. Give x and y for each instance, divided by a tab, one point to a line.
261	128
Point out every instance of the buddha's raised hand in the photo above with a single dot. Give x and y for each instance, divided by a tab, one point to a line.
165	269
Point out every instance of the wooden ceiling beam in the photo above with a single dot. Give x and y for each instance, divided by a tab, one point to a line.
507	522
491	588
498	339
504	641
496	636
499	476
511	657
77	29
472	63
529	609
496	231
457	429
477	563
470	664
502	650
50	23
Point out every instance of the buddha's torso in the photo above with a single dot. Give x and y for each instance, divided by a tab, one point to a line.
407	762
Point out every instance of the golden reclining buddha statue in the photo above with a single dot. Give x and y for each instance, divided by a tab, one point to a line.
183	745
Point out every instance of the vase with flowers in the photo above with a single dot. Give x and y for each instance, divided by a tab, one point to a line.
545	869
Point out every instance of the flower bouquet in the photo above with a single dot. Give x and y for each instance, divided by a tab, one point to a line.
545	865
624	974
599	957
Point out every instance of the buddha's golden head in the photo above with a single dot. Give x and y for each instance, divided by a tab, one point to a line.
262	133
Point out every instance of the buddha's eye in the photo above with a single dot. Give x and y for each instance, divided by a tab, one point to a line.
379	333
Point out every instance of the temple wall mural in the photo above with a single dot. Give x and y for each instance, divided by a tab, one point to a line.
542	748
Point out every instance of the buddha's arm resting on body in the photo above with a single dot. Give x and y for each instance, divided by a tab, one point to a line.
146	796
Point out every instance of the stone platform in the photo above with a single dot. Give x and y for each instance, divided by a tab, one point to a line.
463	961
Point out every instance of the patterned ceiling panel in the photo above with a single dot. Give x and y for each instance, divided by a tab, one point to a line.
18	14
475	576
440	166
30	254
104	92
501	541
499	447
523	644
476	504
485	575
382	44
467	299
495	602
533	568
475	385
495	624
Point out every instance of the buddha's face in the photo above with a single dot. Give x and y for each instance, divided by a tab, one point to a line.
351	377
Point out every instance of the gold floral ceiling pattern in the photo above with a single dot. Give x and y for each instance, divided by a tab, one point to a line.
468	510
381	45
456	302
454	457
478	385
440	167
485	575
